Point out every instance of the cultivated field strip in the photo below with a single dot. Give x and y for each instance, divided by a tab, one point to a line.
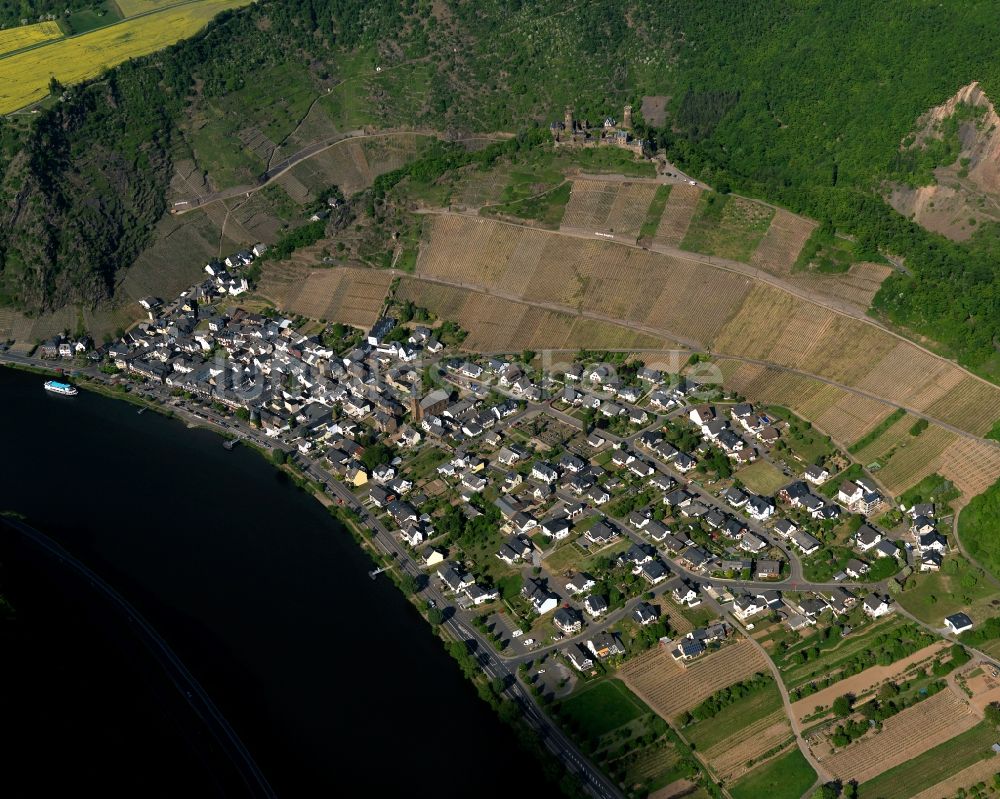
982	771
670	689
610	206
78	58
864	681
350	295
903	736
677	214
729	757
782	242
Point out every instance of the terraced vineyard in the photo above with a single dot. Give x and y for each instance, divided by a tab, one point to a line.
352	164
495	324
349	295
671	689
614	207
857	286
783	242
633	285
677	215
777	327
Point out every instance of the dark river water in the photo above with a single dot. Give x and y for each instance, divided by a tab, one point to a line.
330	678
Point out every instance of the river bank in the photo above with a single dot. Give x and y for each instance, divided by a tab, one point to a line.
320	669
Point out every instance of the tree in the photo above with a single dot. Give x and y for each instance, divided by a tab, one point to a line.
435	616
279	456
408	583
992	713
842	705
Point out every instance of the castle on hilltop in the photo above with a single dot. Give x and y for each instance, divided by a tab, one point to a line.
610	134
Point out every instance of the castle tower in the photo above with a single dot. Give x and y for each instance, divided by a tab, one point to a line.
627	119
568	120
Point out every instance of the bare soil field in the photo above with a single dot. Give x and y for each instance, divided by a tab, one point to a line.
863	682
614	207
677	214
350	295
671	689
782	243
729	757
985	689
903	736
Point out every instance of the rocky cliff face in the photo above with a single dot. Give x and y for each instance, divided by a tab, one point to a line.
956	149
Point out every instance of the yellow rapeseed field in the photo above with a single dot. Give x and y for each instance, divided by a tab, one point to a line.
18	38
24	78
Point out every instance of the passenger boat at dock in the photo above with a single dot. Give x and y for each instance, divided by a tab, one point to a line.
61	388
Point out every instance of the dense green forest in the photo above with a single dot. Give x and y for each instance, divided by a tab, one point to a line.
802	102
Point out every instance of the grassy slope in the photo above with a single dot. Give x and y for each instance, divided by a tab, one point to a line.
979	528
730	720
785	777
602	707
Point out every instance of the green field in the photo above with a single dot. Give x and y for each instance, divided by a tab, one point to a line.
827	253
602	707
654	212
547	208
933	766
785	777
706	734
959	586
727	226
762	477
978	528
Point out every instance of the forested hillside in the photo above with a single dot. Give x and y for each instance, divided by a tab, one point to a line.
802	103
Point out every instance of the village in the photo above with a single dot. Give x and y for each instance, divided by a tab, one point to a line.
588	514
590	491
